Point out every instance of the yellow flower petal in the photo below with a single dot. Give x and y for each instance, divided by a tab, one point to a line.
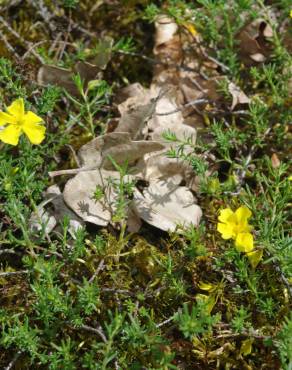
10	134
246	346
255	257
242	214
225	215
17	108
35	132
226	230
31	117
207	286
6	118
244	242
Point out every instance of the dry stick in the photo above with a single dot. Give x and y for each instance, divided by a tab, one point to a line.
3	251
72	171
44	12
20	38
33	46
165	322
97	331
99	268
214	60
191	103
74	154
8	45
100	333
69	29
48	16
245	334
10	273
10	4
13	361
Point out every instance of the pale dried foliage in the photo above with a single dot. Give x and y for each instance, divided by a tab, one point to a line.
185	82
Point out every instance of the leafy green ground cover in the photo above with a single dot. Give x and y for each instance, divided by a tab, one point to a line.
112	300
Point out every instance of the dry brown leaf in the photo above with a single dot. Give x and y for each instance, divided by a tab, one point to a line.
254	41
79	191
129	152
166	205
134	121
49	219
131	91
168	50
117	146
134	222
52	75
275	161
42	220
238	96
89	154
160	167
167	41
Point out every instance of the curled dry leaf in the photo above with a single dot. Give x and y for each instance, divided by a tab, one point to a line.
134	222
47	220
117	146
89	154
79	192
159	166
254	41
238	96
52	75
131	91
42	220
79	197
167	40
137	139
168	50
275	161
129	152
133	121
166	205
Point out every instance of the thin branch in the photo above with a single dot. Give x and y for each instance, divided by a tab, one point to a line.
13	361
20	38
191	103
10	273
97	331
10	251
99	268
8	45
165	322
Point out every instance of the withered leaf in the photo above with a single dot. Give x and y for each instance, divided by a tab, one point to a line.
121	149
133	121
52	75
79	192
238	96
166	205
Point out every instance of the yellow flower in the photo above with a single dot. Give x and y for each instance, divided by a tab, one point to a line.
234	225
291	13
255	257
16	121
